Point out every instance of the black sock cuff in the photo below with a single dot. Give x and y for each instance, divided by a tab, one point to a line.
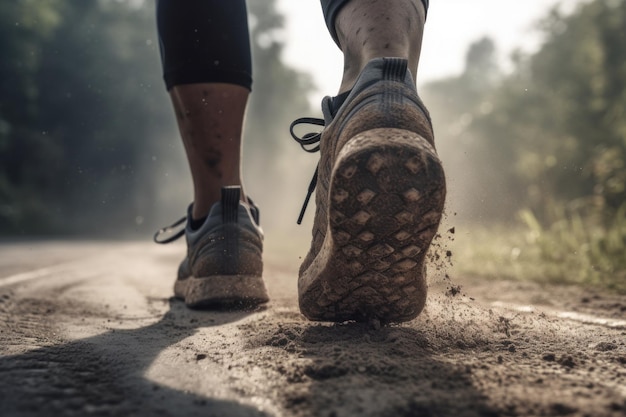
196	224
338	101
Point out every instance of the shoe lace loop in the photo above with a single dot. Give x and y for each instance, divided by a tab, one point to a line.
308	139
309	142
169	230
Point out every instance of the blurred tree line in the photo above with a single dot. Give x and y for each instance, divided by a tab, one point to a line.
549	133
537	152
88	143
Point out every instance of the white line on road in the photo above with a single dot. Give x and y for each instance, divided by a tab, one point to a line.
565	315
35	274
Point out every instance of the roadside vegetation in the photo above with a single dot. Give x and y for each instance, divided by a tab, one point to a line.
536	154
571	250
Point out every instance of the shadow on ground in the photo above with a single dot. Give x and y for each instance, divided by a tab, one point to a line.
105	375
353	370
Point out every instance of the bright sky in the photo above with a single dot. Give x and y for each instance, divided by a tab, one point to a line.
452	25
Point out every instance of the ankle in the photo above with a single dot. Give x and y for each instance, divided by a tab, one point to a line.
204	201
352	71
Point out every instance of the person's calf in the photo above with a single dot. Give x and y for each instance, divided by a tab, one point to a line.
210	119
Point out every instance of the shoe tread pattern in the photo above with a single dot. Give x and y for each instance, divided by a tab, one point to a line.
385	200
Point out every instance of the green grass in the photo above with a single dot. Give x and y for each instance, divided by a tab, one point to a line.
571	250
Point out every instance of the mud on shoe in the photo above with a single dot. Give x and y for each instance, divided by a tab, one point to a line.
379	200
223	266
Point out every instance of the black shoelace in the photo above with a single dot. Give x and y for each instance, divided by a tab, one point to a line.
169	230
310	142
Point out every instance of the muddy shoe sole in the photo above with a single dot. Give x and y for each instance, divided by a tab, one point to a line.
221	291
386	198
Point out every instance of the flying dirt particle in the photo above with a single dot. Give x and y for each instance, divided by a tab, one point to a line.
200	356
453	291
506	325
448	253
500	359
452	230
512	348
549	357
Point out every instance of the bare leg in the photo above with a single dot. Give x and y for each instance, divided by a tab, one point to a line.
210	119
370	29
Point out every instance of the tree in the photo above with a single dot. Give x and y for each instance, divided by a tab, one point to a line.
552	131
88	142
25	27
456	104
562	108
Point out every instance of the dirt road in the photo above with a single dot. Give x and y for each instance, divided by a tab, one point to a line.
90	329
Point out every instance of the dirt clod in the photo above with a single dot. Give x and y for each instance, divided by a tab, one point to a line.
324	371
567	361
375	323
453	291
605	346
561	409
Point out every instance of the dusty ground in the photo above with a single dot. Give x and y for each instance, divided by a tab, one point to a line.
90	329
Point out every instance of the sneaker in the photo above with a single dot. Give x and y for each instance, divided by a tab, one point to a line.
224	265
380	196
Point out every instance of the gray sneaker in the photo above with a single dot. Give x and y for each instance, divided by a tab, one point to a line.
224	265
380	196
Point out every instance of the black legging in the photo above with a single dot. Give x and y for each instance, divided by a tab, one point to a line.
208	40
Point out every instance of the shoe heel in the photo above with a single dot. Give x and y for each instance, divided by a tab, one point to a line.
225	291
